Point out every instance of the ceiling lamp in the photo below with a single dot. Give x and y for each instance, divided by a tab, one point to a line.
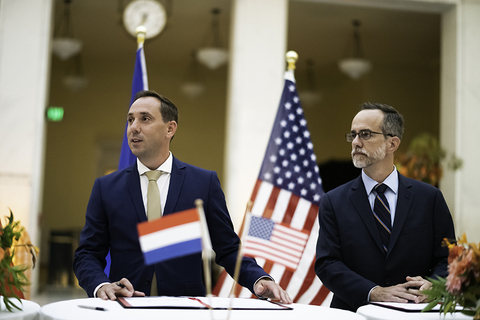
212	54
192	87
310	96
74	80
355	65
64	45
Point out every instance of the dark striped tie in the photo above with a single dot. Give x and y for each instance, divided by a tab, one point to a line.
381	211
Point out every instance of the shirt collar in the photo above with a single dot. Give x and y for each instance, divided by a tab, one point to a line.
165	166
391	181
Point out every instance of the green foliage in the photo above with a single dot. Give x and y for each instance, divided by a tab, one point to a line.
11	277
439	294
448	301
10	232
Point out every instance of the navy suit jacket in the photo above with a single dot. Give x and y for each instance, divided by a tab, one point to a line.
116	207
350	259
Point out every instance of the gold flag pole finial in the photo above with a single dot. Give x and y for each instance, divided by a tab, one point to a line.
141	34
291	58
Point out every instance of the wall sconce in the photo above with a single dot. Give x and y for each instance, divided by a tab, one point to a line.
212	54
356	65
64	45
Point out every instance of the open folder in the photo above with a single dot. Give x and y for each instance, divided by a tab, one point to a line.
409	307
200	303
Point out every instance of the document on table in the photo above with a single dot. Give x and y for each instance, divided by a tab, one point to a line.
409	307
200	303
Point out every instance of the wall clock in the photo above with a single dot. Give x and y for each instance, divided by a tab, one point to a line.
149	13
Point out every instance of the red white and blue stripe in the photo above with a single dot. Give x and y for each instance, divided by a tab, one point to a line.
275	242
172	236
288	192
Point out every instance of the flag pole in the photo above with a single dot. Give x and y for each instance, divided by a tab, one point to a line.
141	32
244	231
238	264
206	245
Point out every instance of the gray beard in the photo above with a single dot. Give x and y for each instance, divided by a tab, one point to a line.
366	159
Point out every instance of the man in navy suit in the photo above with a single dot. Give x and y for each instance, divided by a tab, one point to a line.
353	260
118	203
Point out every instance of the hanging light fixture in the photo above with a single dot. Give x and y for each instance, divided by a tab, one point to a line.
64	45
74	79
212	54
192	87
355	65
310	96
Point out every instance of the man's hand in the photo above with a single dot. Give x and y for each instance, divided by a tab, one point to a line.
122	288
266	288
416	285
403	292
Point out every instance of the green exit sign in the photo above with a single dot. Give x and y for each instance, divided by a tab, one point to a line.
55	114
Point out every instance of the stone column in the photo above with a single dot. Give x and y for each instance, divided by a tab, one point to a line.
257	65
25	32
460	113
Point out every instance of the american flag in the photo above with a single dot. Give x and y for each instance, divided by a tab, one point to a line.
288	191
275	242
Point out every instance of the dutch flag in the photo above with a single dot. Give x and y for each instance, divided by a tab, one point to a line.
174	235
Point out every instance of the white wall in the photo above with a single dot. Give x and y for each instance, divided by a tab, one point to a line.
25	31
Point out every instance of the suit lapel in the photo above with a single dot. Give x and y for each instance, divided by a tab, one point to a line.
359	199
404	203
176	182
133	185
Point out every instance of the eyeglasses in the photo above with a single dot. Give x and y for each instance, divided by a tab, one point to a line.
364	135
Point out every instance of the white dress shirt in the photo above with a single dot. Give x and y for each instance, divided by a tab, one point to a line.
163	182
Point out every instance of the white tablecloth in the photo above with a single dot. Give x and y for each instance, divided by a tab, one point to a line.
69	310
30	311
371	312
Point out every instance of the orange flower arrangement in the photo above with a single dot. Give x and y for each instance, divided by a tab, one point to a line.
462	286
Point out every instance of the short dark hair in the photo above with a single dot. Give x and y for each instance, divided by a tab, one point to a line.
168	110
392	120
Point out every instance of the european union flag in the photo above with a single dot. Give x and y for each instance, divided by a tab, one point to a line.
139	83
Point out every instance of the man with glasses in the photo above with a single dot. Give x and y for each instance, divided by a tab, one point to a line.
380	234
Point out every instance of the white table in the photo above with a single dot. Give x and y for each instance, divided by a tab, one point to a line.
69	310
30	310
372	312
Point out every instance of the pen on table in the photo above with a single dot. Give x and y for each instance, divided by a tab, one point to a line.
92	308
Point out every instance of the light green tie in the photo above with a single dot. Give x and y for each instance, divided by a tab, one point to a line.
154	210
